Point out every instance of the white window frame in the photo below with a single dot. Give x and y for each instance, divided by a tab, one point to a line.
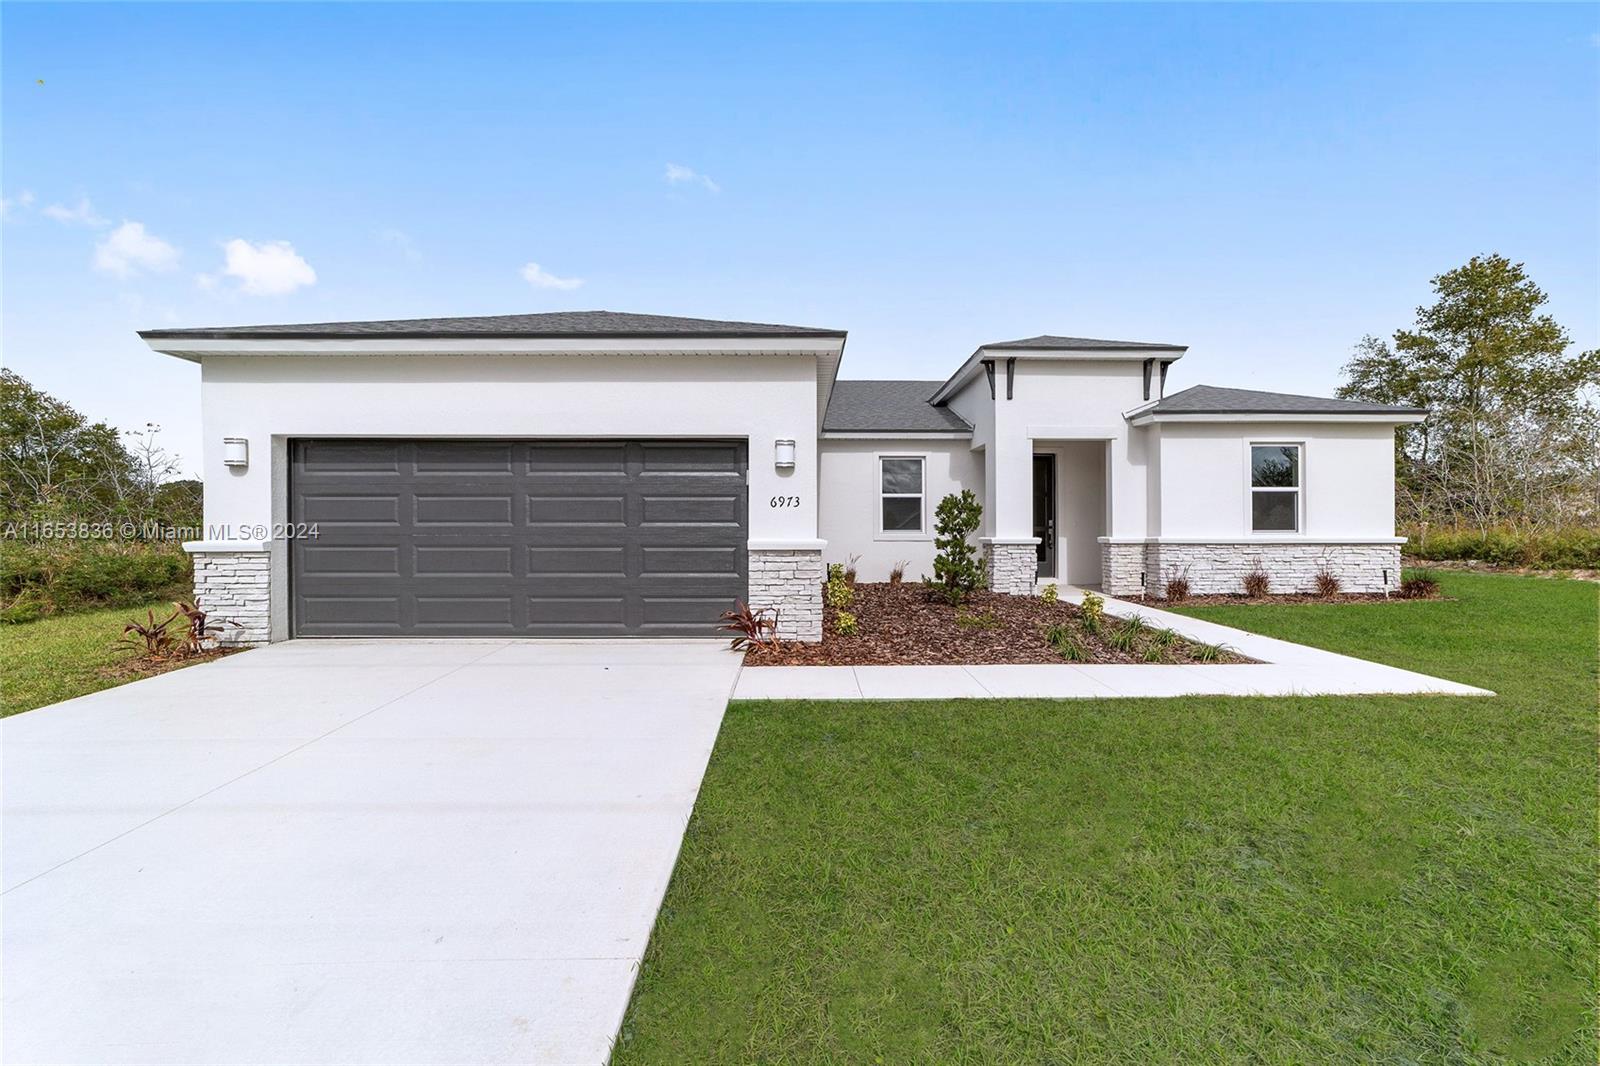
1250	489
879	496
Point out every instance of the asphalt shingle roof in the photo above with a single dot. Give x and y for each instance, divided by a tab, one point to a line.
1050	342
548	324
1212	400
888	407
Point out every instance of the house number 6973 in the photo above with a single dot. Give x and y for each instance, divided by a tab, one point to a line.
785	501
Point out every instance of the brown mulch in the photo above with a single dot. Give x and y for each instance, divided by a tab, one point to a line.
903	625
139	666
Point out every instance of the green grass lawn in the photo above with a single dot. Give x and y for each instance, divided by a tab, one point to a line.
61	656
1396	879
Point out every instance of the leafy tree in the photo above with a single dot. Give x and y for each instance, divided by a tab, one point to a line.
54	462
1513	422
957	570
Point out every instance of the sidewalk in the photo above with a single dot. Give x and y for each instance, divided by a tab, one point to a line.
1284	669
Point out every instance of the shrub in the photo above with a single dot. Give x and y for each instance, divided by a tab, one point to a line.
1418	587
1093	608
838	594
1207	653
39	579
846	623
835	572
1123	638
756	628
150	639
1257	584
850	569
957	570
1050	593
897	573
1327	583
1164	638
1178	589
1574	548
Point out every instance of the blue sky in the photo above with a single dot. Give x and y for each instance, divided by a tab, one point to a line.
1263	183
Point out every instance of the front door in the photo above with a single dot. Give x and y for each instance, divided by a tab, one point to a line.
1044	512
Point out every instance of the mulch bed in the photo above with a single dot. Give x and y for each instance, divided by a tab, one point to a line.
902	625
138	666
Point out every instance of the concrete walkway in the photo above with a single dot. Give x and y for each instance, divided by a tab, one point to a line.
1284	669
352	852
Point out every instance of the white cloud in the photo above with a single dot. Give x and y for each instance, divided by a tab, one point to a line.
539	278
128	250
678	174
83	214
8	204
402	243
270	268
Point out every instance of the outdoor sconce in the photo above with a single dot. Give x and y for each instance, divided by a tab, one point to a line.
783	454
235	451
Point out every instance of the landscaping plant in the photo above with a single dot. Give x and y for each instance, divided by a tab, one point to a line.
846	623
150	639
850	568
897	573
1093	608
957	569
1327	583
752	629
199	630
1066	642
1257	584
1050	593
1418	587
1178	589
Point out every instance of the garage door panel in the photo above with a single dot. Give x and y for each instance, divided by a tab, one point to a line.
599	538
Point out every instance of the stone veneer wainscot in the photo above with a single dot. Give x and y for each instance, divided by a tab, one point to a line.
1011	566
1219	567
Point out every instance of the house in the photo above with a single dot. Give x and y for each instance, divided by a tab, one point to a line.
603	474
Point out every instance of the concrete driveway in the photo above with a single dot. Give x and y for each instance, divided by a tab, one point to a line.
339	851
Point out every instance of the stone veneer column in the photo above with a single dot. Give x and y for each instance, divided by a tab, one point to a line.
1121	564
1011	566
235	586
789	580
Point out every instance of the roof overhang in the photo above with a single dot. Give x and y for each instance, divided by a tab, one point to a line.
896	434
828	349
974	364
1145	418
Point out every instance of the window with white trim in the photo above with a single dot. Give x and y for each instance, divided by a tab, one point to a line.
1274	488
900	487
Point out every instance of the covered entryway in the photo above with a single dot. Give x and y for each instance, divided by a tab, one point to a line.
508	537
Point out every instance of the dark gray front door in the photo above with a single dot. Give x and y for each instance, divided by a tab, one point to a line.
536	538
1044	512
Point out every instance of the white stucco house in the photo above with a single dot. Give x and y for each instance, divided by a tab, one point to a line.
598	473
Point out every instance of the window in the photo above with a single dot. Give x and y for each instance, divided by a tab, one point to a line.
1274	488
900	483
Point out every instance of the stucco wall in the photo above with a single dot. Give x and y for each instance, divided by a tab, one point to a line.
1347	477
850	500
269	398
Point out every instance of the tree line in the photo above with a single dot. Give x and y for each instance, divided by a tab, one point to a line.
56	466
1512	437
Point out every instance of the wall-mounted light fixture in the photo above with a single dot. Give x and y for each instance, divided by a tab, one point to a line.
235	451
783	454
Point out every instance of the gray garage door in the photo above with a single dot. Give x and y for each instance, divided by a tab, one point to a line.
540	538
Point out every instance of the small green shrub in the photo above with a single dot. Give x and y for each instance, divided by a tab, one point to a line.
1207	653
1155	653
1093	608
835	572
1050	593
846	623
1164	638
838	594
957	569
1124	637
